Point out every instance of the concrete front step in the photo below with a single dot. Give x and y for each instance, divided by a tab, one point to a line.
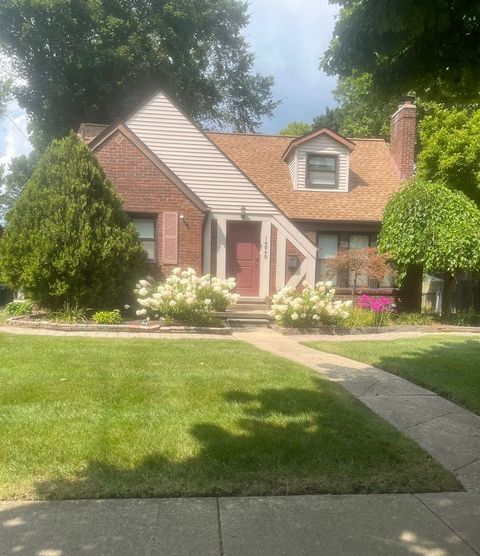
244	322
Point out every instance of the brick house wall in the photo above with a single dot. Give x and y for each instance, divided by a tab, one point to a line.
403	127
146	191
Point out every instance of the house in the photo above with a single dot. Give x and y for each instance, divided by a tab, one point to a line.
266	209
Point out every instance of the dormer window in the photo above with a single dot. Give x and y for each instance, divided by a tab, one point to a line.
322	171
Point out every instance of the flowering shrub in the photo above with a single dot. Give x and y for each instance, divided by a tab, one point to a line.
308	308
185	297
381	307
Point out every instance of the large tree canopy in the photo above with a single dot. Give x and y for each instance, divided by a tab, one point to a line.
67	238
450	149
296	128
430	225
14	180
429	46
93	60
360	112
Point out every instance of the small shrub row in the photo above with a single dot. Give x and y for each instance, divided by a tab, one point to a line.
19	308
107	317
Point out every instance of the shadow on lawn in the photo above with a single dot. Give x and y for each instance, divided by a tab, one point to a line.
287	441
278	435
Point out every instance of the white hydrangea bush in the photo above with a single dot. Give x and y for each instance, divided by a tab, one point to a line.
310	307
185	297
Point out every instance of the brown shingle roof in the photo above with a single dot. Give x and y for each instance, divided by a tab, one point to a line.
373	178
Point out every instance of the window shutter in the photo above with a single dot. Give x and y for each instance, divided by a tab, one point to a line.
170	237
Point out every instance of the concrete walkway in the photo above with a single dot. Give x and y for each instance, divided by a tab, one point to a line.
404	524
448	432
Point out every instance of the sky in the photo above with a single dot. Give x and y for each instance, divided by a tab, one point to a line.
288	38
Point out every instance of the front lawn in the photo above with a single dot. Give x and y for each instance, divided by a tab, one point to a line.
3	318
84	418
448	365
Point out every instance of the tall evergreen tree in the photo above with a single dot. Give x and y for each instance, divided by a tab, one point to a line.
67	238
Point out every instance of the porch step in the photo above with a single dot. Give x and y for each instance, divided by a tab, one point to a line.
236	322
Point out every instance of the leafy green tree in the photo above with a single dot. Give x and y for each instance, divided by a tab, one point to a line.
95	60
12	182
67	239
360	111
5	93
450	149
429	46
331	118
296	128
428	224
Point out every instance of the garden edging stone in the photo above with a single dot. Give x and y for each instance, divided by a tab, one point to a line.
22	322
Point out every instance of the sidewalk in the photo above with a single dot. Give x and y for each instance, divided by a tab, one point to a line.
448	432
404	524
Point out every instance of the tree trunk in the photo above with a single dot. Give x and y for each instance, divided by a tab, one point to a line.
447	296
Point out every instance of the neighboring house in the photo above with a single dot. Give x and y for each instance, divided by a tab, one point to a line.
266	209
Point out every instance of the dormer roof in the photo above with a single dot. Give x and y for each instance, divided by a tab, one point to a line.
314	134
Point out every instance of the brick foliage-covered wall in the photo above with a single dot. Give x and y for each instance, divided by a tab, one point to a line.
146	191
292	250
273	260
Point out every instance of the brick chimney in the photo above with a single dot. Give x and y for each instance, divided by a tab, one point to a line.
402	137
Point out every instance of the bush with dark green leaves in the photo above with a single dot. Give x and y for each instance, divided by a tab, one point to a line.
67	239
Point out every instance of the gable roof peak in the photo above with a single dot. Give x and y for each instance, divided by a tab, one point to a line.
316	133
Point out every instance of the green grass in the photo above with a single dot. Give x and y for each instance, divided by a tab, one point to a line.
3	318
448	365
82	418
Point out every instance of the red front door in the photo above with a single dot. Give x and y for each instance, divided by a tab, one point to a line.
243	256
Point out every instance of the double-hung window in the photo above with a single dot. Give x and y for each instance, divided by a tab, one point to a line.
327	249
146	230
322	171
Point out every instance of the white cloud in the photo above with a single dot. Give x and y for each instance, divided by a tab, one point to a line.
13	133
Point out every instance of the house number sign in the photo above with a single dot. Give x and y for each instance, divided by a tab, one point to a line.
265	248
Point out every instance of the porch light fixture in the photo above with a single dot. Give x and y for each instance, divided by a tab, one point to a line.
243	213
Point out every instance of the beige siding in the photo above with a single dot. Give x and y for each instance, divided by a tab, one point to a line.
322	144
292	166
195	159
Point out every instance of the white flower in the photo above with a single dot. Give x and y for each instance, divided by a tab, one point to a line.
294	316
316	317
141	312
143	292
143	283
126	306
328	283
207	302
172	303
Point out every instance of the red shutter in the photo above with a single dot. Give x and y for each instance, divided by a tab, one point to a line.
170	237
